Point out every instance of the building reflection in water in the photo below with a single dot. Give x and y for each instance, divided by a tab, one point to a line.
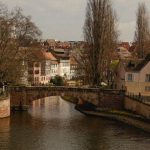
52	123
51	107
65	125
4	132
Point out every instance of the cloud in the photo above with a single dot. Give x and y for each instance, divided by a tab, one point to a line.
127	30
61	19
126	11
64	19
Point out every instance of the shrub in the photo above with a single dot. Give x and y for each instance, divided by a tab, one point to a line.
57	81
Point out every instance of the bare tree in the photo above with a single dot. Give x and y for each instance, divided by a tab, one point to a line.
100	35
16	31
142	33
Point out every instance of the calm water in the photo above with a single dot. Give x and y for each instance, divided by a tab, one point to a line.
53	124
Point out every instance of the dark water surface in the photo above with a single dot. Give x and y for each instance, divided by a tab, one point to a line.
53	124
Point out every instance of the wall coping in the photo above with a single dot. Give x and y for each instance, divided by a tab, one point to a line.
64	88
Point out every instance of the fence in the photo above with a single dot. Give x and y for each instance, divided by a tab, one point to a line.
140	98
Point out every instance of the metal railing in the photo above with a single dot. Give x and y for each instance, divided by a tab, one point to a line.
140	98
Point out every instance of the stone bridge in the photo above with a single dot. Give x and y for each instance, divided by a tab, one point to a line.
100	97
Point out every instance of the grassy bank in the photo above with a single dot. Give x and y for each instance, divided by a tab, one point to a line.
121	113
70	99
121	116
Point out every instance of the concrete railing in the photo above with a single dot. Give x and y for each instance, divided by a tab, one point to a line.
137	107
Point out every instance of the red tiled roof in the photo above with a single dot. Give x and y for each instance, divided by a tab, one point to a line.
41	54
54	62
49	55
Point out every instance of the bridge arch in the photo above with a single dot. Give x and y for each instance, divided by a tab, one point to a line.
103	98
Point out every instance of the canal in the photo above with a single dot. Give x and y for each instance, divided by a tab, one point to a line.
54	124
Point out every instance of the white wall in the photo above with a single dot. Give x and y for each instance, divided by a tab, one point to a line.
54	70
64	68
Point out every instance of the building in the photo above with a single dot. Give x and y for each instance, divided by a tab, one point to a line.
46	67
124	44
134	76
46	64
63	59
73	68
34	72
123	53
39	67
64	67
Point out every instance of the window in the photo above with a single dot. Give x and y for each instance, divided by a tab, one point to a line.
47	63
64	70
36	64
36	79
36	72
147	88
130	77
147	79
30	79
65	64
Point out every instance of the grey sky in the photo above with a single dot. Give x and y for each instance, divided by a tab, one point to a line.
64	19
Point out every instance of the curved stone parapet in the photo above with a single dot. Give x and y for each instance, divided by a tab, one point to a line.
22	97
5	107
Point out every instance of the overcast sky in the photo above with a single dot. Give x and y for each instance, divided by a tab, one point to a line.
64	19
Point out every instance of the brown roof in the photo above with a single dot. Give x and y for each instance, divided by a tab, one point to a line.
48	55
130	64
135	65
41	54
143	63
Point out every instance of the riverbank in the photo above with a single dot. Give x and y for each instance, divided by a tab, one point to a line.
121	116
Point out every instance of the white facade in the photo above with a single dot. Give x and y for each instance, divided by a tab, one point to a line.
54	69
45	72
41	71
48	70
64	68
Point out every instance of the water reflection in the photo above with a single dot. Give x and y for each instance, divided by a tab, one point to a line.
4	132
53	124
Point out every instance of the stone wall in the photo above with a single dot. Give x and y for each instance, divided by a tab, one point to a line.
137	107
5	108
113	101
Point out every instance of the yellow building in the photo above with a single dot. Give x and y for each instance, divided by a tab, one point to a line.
134	76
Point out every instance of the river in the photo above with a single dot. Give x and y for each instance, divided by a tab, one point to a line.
53	124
